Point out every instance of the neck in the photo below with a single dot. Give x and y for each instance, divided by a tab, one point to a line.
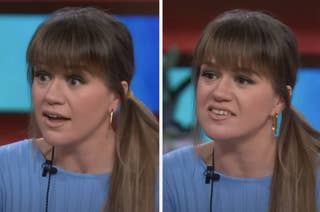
94	159
245	161
94	156
249	158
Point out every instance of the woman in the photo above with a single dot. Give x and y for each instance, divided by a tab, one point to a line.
245	68
95	146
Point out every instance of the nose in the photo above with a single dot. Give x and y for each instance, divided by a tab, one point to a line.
55	94
222	91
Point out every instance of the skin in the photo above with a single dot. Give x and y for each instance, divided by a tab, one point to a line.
84	140
235	109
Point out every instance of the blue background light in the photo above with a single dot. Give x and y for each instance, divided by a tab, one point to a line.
17	30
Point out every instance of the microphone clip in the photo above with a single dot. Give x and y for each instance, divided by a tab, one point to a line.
210	175
48	168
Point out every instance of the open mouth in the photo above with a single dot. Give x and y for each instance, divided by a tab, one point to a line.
55	117
221	112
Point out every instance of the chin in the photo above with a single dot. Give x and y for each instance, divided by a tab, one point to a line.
221	136
55	140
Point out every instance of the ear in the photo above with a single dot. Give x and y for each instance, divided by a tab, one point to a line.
280	103
114	104
115	101
289	88
125	87
278	106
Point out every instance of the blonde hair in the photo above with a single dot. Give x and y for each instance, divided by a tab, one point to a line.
89	37
260	42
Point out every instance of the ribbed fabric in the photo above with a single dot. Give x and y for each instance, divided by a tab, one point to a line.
184	188
22	187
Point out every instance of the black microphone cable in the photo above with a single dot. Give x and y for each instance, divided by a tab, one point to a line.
211	195
210	176
212	180
47	167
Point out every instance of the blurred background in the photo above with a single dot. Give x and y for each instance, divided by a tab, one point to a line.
183	22
18	21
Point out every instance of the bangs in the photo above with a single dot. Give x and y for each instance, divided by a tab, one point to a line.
237	46
67	45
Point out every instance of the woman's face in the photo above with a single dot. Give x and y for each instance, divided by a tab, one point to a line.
233	105
71	107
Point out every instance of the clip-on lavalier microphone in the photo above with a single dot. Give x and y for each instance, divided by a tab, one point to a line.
211	176
48	168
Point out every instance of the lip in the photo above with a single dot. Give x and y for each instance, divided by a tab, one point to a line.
220	117
54	123
46	112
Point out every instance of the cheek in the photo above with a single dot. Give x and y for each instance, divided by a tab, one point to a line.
259	103
202	93
202	97
199	100
37	96
90	106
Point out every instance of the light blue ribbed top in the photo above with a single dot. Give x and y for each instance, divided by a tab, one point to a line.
22	187
184	188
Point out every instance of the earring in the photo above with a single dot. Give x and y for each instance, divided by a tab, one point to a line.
111	116
275	124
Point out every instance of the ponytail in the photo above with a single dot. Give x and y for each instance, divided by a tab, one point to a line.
293	186
133	181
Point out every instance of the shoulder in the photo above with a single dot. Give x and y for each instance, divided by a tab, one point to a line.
175	163
183	156
184	160
182	171
14	158
178	156
15	147
15	152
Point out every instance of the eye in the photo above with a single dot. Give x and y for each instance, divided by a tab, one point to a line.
244	80
42	76
76	80
209	74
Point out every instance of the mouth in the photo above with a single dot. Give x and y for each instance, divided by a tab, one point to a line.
52	116
220	113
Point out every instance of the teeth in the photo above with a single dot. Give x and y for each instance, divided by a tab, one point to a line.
54	116
220	112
